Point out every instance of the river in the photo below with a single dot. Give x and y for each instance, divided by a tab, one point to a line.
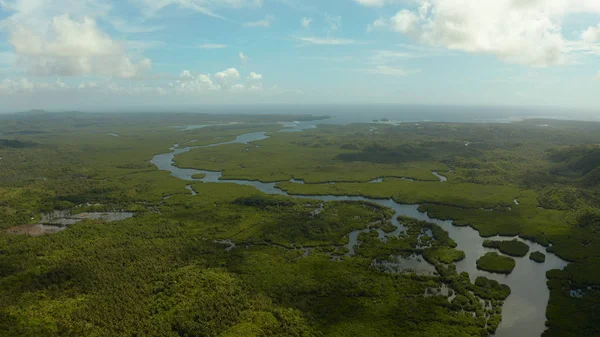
524	311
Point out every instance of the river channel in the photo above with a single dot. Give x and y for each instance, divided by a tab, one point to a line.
524	311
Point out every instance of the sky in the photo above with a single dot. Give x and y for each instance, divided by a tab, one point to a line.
103	54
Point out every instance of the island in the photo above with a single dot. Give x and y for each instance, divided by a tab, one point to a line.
513	248
496	263
537	257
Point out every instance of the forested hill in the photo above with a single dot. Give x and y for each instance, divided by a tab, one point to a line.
577	162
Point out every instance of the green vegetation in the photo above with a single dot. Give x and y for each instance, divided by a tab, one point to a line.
537	257
307	155
440	251
512	248
408	192
568	322
171	270
291	223
114	274
490	289
496	263
581	162
526	219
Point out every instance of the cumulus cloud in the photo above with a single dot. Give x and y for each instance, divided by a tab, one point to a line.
88	85
521	32
238	88
201	82
255	77
194	83
305	22
37	14
591	35
222	84
133	89
264	23
68	47
254	81
186	76
405	22
25	86
227	78
226	81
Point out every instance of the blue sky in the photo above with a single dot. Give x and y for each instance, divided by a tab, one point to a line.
101	54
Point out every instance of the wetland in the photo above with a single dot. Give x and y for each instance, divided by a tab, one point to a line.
237	226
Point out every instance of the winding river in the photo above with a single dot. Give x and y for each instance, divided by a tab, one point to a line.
524	311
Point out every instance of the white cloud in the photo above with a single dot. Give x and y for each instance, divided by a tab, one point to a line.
60	84
212	46
63	46
333	24
255	77
131	89
227	78
189	83
591	35
264	23
522	32
204	81
380	23
254	81
238	88
405	22
186	76
243	58
326	41
220	85
25	86
305	22
38	15
88	85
